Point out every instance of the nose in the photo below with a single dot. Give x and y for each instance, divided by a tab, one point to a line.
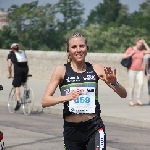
78	49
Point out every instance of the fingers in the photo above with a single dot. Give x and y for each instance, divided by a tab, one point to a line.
108	70
110	75
102	77
75	94
115	71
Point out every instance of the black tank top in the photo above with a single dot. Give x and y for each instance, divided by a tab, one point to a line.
87	79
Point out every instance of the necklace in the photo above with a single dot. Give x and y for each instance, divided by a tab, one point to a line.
75	68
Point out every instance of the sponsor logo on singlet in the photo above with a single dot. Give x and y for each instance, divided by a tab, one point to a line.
73	79
89	77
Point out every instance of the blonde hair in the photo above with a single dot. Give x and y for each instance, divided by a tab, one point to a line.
75	34
68	58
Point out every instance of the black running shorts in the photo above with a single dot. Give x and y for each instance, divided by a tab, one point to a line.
89	135
20	76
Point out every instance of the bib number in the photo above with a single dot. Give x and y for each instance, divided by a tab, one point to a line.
85	103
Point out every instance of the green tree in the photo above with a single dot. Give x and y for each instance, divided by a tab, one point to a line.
42	26
145	8
7	37
32	23
124	17
110	13
141	19
118	39
114	40
105	12
70	12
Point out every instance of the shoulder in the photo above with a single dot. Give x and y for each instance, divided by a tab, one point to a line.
60	68
10	54
60	71
129	49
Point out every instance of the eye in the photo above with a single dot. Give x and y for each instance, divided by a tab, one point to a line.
82	46
74	46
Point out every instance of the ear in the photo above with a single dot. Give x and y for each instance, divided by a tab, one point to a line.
87	47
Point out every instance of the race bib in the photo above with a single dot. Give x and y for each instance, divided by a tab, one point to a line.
85	103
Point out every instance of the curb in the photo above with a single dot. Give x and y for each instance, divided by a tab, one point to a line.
108	119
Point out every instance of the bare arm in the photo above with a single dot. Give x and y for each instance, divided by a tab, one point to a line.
9	65
109	77
56	79
147	47
48	98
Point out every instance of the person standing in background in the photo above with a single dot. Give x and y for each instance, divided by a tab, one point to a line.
135	71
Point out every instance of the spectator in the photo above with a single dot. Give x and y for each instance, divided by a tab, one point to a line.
135	71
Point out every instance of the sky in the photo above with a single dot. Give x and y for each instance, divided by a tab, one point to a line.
88	4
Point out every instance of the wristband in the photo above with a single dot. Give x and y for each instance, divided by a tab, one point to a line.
115	84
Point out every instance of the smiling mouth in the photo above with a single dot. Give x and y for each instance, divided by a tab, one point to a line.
79	55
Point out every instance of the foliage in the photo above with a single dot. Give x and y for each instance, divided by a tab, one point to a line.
31	23
118	39
7	36
105	12
114	39
141	19
71	12
109	27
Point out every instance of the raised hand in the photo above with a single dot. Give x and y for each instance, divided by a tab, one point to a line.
110	75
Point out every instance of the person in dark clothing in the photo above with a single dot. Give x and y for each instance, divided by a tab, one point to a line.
1	87
147	73
19	60
78	83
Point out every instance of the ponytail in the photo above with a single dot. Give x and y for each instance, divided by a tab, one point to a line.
68	58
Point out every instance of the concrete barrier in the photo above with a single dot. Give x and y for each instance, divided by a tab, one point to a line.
42	63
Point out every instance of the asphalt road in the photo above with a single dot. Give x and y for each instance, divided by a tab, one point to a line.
41	131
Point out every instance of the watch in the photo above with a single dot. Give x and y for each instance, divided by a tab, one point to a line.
115	84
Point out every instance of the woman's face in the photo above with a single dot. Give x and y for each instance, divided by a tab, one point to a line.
139	44
77	49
